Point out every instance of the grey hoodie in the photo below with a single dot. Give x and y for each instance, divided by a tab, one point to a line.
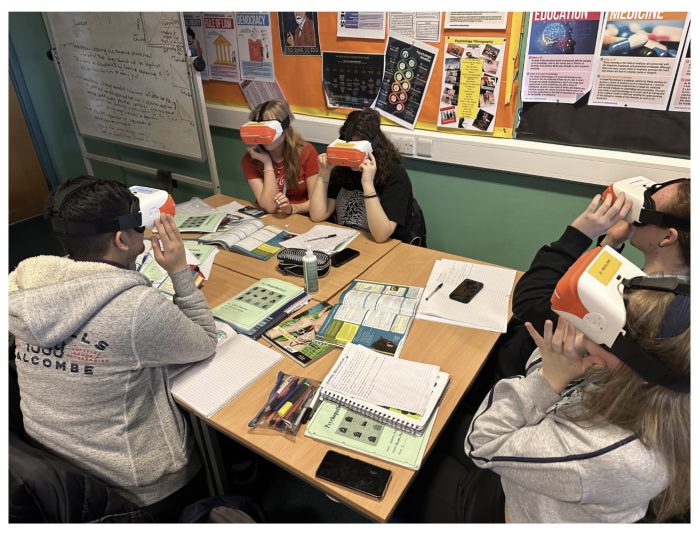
93	345
553	469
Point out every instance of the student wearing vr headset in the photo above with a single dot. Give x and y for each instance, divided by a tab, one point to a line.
94	341
601	448
375	196
280	166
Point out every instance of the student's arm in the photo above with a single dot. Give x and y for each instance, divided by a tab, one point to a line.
380	225
288	208
264	188
532	294
320	205
513	436
179	332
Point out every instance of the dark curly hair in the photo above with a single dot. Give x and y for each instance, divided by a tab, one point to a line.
365	125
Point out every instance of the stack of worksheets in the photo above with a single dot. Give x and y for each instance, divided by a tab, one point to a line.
487	310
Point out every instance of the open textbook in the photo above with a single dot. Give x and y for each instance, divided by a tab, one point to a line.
250	237
375	315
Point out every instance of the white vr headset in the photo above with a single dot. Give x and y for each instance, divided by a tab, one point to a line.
348	153
590	296
639	190
146	206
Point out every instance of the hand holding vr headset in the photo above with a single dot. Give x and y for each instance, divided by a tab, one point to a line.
602	214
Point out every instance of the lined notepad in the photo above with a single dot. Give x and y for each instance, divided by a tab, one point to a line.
209	385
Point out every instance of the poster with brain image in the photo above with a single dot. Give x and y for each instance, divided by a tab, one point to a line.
408	66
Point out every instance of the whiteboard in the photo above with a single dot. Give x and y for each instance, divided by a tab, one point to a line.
127	79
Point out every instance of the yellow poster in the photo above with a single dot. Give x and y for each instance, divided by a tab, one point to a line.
469	87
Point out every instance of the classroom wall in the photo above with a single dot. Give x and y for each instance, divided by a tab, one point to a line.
488	215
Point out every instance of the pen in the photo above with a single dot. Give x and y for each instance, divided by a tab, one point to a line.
311	407
433	292
288	396
144	259
273	395
300	414
322	237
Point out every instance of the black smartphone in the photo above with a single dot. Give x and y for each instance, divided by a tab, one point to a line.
252	211
466	290
354	474
343	256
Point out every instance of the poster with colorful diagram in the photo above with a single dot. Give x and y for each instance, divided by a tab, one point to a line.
470	83
408	66
254	36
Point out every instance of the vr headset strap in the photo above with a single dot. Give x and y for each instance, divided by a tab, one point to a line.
663	219
647	366
664	284
85	228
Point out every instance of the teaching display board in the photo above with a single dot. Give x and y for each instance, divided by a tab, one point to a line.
301	76
128	79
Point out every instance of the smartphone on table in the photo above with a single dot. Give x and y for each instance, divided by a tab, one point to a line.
343	256
466	290
252	211
354	474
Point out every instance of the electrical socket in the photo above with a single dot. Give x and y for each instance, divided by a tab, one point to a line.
406	145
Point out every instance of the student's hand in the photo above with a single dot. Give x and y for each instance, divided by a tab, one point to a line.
599	217
369	170
618	234
324	168
284	206
562	361
260	155
172	255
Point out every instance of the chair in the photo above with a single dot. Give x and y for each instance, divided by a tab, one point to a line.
46	489
417	232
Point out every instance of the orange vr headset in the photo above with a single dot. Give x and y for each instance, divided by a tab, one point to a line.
591	296
348	153
639	190
263	132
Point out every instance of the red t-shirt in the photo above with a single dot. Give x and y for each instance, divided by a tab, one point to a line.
308	168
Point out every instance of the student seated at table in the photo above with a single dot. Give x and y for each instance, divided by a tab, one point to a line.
94	341
666	252
281	174
583	437
377	196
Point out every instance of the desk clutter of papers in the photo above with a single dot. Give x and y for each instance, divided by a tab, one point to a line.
488	310
323	238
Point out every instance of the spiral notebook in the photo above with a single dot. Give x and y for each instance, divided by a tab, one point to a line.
361	382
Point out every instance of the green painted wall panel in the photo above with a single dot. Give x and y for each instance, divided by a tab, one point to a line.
488	215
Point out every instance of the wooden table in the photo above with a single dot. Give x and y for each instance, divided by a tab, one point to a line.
330	285
457	350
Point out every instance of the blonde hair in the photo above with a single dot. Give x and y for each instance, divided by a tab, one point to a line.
658	416
294	142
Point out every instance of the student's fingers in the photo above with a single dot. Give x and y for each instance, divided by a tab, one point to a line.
167	226
155	249
557	339
370	157
626	208
172	228
593	205
569	346
539	341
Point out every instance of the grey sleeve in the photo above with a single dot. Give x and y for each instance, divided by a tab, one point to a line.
181	331
513	436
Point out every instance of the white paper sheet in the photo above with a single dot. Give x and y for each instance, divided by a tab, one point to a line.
208	385
364	374
488	309
316	239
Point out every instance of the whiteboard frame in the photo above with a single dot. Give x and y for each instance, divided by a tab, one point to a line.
201	119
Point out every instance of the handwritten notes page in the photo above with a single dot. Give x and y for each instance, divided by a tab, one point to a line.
322	238
487	310
364	374
208	385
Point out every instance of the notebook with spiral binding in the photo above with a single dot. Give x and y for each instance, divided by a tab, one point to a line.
413	423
